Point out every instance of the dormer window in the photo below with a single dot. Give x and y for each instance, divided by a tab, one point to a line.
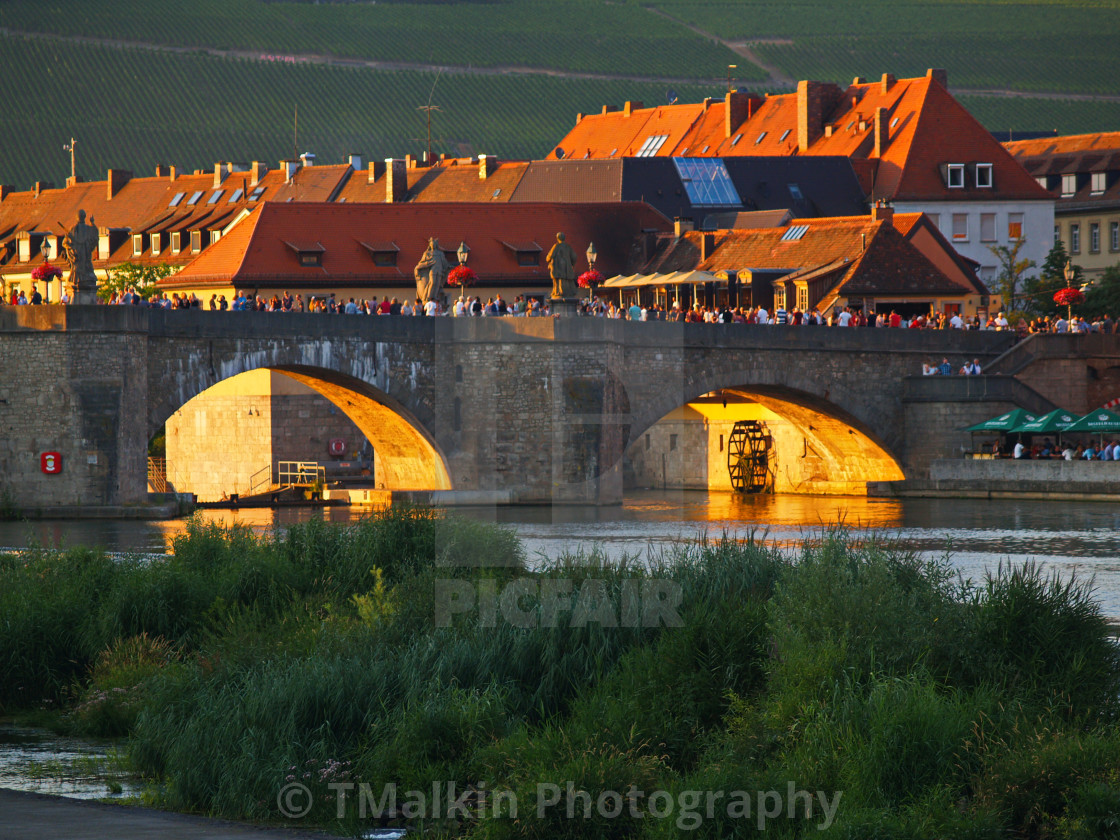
954	178
156	242
984	176
310	254
1098	182
311	258
1069	185
196	241
137	244
1043	182
384	254
176	242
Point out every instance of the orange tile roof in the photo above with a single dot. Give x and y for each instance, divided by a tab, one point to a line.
1102	141
449	180
925	127
255	251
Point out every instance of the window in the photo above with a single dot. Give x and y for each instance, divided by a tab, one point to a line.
785	134
647	442
672	443
176	242
1069	185
955	177
156	243
1042	182
385	259
761	137
987	227
498	191
704	151
738	137
894	122
195	196
1057	234
137	244
1094	237
310	258
214	196
236	197
1114	236
706	181
196	241
795	192
257	193
984	176
614	152
215	235
1097	183
175	201
794	233
528	257
1075	239
936	219
960	227
652	145
802	298
1014	226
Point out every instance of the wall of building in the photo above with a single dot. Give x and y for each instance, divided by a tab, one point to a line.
1093	262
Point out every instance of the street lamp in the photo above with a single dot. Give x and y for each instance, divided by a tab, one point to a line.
592	255
46	249
730	67
463	253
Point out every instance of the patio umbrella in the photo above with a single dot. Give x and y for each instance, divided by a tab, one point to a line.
1058	420
1102	420
1005	422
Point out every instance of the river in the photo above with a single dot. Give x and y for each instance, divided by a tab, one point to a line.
1081	538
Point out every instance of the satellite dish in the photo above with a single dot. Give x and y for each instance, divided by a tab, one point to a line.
559	153
671	96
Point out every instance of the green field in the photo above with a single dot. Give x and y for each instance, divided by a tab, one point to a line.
150	88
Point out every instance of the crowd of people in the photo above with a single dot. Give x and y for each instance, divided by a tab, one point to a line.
1069	451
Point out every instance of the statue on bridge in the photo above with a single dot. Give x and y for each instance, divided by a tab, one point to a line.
79	244
431	272
562	269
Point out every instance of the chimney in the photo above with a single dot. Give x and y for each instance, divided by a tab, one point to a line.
289	168
5	191
355	161
882	212
172	172
160	170
629	107
307	158
396	179
737	109
680	225
117	178
409	162
579	118
257	170
220	173
939	75
886	83
882	132
375	170
487	166
859	80
810	113
707	245
42	186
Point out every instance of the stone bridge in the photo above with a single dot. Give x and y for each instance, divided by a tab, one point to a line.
540	408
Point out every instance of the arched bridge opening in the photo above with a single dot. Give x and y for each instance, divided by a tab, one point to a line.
234	436
759	438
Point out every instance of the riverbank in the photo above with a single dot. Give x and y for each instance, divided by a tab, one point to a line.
1003	478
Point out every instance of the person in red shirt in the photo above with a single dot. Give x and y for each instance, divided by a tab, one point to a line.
896	319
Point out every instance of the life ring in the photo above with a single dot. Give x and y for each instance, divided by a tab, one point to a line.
337	446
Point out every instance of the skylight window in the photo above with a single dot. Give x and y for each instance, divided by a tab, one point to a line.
785	134
795	233
614	152
497	192
175	201
652	145
195	196
894	122
707	183
795	192
760	138
214	196
236	197
257	193
704	151
738	137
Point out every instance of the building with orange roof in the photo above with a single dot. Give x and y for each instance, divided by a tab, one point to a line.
882	261
916	147
363	250
170	217
1082	173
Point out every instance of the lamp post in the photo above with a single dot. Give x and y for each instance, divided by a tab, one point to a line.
463	253
730	67
1069	273
592	255
46	249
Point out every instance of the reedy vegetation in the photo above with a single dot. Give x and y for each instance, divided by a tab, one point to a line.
938	707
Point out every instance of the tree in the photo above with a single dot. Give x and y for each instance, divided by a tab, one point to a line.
1012	268
1103	297
129	275
1038	292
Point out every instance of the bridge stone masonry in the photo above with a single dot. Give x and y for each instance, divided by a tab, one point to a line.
538	410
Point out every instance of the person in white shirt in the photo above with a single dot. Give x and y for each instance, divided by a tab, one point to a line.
956	322
763	316
844	318
1067	453
1001	322
1019	450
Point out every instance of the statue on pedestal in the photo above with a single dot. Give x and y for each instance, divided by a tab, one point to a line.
431	272
562	269
79	245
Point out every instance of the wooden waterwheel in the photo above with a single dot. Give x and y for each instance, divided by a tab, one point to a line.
748	456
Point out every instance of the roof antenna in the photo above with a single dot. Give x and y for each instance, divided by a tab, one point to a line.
69	147
295	133
428	109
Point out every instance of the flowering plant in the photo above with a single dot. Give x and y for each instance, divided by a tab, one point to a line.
46	271
461	275
1069	297
589	278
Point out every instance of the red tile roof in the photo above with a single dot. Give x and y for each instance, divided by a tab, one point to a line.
1102	141
255	252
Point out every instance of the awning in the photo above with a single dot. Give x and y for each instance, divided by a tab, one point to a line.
1005	422
1058	420
1101	420
675	278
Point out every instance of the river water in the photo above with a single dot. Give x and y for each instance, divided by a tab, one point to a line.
1081	538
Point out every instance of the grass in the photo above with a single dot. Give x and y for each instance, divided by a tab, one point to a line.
922	704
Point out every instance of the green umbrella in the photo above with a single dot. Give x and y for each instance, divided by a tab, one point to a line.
1101	420
1003	423
1058	420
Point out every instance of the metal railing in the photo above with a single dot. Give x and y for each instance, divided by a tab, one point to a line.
300	473
157	475
260	480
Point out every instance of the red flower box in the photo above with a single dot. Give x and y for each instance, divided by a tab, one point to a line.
461	275
46	271
589	278
1069	297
